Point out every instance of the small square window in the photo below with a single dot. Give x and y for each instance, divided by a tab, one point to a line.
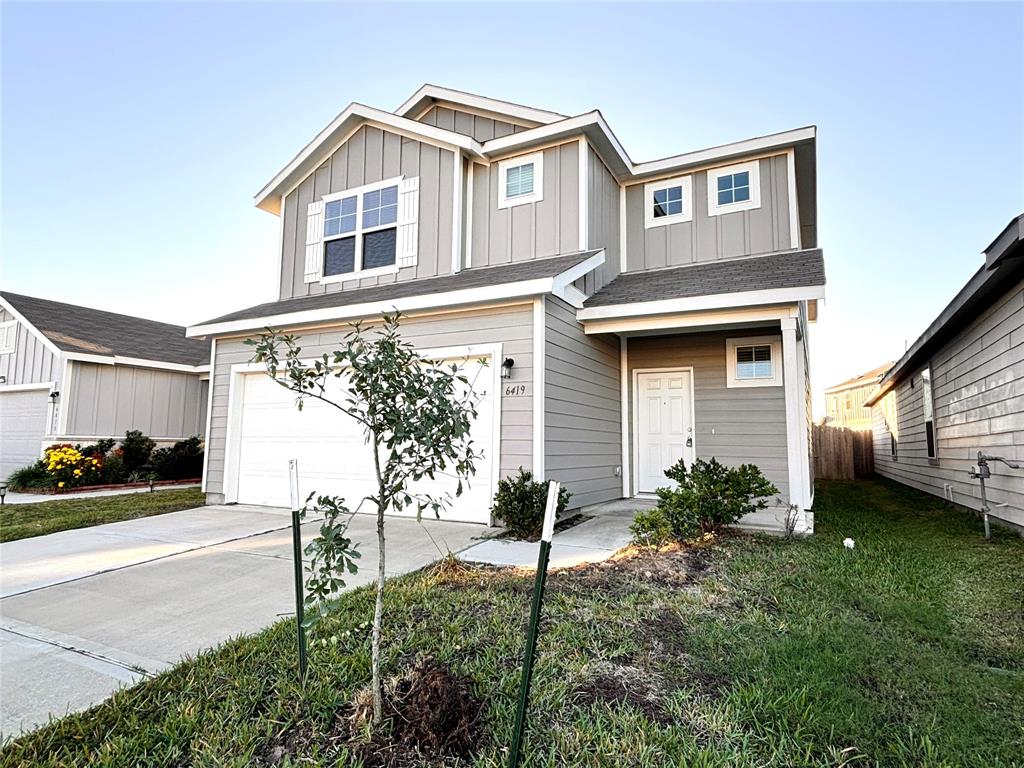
754	362
667	202
521	180
734	188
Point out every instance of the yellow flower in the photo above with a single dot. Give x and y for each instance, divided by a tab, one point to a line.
60	484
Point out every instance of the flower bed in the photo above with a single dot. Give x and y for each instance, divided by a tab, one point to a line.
115	486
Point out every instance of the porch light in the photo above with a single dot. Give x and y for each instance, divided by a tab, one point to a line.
54	395
506	367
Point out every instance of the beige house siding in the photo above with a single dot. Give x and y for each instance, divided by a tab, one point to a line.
706	238
603	219
511	326
978	385
744	425
108	400
468	124
582	422
846	407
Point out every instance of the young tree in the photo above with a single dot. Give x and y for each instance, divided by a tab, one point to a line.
416	416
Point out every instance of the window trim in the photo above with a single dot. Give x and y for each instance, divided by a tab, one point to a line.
753	168
5	327
686	182
731	345
358	232
537	158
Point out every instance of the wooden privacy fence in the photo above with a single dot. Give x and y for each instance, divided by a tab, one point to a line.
842	454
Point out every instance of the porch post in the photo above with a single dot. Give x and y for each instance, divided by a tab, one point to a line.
796	422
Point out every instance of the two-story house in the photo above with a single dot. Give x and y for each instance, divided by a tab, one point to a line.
630	313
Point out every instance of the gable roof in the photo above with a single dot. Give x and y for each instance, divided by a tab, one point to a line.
470	286
871	377
772	272
428	95
549	126
1004	267
86	331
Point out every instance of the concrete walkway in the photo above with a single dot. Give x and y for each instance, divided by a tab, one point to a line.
589	542
36	498
84	612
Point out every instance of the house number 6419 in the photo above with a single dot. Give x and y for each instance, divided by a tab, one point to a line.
514	390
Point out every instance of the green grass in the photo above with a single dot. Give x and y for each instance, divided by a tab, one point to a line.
20	521
907	651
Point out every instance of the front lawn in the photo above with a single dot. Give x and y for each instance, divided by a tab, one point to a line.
20	521
908	650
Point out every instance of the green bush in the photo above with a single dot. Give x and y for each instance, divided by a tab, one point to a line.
651	528
136	449
710	495
29	478
113	468
183	461
100	448
519	504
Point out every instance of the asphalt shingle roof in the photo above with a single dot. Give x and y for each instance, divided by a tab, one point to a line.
786	269
469	278
93	331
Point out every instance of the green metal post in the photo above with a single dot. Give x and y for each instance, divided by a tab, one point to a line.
293	472
531	633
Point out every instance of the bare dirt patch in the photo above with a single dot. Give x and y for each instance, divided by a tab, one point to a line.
625	685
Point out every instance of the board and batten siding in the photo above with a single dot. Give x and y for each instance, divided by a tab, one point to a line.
530	230
978	405
602	222
511	326
478	127
31	362
582	421
706	238
742	425
372	154
108	400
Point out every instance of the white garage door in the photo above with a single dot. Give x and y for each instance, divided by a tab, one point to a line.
332	454
22	426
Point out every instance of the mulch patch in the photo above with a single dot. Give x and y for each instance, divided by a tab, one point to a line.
623	684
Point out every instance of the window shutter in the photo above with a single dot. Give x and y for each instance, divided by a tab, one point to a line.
314	240
408	228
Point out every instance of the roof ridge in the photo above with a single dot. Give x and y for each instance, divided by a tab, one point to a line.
9	294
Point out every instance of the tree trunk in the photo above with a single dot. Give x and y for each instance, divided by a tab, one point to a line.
378	610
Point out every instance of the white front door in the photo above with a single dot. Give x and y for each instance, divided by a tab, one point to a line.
664	425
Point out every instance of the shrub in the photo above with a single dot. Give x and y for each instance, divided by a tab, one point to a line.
519	504
710	495
182	461
100	448
68	467
136	449
651	528
32	477
113	468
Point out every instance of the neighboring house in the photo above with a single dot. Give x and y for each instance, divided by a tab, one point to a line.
959	389
845	403
74	374
649	311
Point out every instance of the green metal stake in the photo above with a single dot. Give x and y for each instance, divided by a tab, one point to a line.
531	633
293	475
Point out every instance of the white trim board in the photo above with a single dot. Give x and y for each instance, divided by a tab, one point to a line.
465	296
539	399
136	362
27	387
709	302
29	327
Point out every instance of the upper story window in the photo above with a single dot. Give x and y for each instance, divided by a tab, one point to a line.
8	334
521	180
360	231
754	362
734	188
668	201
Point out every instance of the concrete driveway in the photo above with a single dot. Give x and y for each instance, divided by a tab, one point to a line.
84	612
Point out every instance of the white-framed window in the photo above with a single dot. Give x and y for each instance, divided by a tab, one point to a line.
521	180
928	404
360	231
754	361
8	334
734	188
668	201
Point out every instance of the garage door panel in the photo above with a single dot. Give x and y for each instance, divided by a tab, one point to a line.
22	426
331	449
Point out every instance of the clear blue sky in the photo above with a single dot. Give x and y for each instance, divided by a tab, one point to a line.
135	135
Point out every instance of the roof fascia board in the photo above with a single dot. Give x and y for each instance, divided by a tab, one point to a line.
723	318
709	302
268	198
138	362
439	93
46	342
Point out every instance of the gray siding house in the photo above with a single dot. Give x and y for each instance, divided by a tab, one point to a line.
74	374
959	389
649	311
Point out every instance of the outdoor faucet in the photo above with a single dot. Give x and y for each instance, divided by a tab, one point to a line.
981	473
